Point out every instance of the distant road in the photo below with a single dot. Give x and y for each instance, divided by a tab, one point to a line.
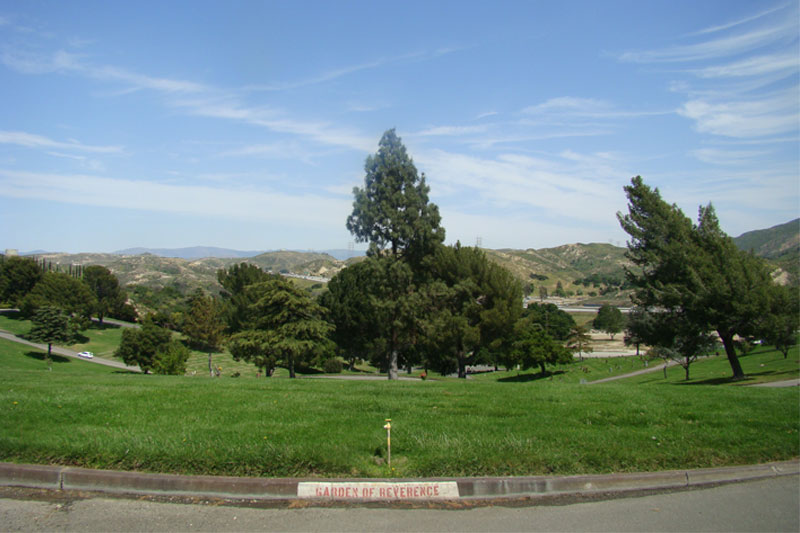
68	353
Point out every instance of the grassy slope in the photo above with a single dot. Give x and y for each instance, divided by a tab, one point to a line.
279	427
762	365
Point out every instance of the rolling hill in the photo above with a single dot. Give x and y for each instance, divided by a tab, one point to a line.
591	273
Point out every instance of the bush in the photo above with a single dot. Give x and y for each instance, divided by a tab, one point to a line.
172	360
332	366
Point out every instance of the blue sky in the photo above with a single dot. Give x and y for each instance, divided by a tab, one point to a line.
246	124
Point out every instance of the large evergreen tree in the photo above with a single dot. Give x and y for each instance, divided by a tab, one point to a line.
475	304
393	214
51	325
203	324
63	291
141	346
105	287
283	323
18	276
694	272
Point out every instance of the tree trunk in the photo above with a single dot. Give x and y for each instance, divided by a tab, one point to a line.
686	367
733	359
392	372
210	367
291	368
49	358
665	370
541	367
462	368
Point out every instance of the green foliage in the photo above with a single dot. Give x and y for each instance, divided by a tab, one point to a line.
234	280
578	340
282	323
532	347
60	290
392	211
332	366
109	297
349	305
204	324
610	320
694	271
141	346
556	323
779	326
171	359
165	302
474	304
18	276
51	325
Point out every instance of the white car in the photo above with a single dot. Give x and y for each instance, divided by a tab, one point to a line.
86	355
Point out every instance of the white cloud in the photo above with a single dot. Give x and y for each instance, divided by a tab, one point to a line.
450	130
775	114
576	187
716	156
786	63
716	48
30	140
306	211
585	108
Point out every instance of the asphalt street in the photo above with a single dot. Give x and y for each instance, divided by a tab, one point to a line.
764	505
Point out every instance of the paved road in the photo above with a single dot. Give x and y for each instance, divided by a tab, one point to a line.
765	505
69	353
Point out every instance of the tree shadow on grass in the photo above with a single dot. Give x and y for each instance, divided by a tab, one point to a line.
749	378
525	378
40	356
307	370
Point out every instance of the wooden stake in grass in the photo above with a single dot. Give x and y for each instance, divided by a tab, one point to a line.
388	428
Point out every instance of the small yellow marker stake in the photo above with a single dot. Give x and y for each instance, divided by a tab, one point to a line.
388	428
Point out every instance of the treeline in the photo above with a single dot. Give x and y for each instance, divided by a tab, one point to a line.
82	292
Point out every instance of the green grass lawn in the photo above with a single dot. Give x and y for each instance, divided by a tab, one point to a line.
88	415
761	365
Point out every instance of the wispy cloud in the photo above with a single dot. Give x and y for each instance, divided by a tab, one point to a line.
451	130
774	114
586	108
260	205
716	48
195	98
784	62
30	140
716	156
568	184
744	86
739	22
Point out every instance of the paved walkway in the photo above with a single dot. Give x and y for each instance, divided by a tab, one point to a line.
786	383
647	370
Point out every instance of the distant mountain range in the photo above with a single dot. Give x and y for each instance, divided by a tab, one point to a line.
200	252
583	270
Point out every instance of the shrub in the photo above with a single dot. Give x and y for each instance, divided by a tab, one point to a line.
332	366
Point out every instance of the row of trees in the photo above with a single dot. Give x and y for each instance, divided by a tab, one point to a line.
24	285
412	301
60	304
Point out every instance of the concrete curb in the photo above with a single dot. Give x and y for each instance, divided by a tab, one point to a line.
69	478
